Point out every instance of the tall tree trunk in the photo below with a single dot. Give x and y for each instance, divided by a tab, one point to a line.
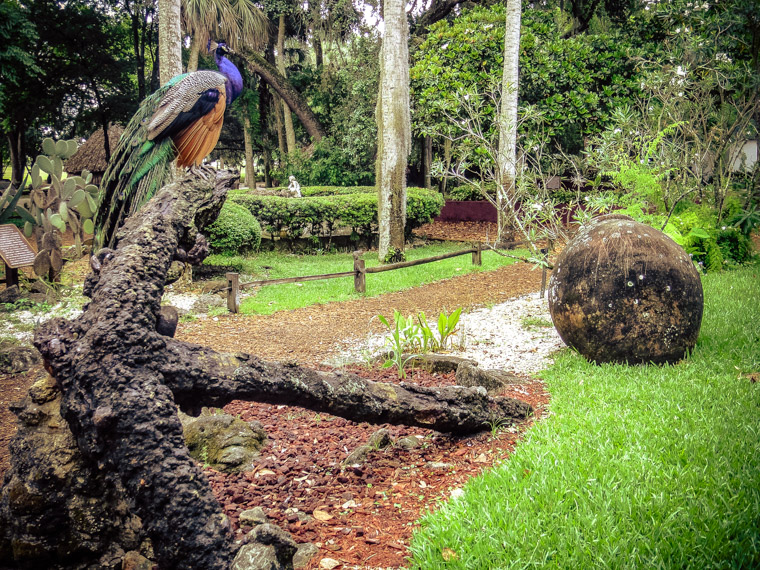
507	159
269	73
427	160
17	155
267	168
139	48
279	125
265	100
290	133
250	174
446	165
169	39
394	132
318	56
195	51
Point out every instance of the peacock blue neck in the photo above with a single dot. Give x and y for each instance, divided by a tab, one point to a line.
234	83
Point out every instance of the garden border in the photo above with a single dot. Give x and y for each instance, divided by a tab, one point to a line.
359	272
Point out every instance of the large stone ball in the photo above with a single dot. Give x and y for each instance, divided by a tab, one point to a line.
622	291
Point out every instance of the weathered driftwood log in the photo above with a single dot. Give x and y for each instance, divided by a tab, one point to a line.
121	381
226	377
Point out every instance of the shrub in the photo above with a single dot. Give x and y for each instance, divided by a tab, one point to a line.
734	245
235	229
323	210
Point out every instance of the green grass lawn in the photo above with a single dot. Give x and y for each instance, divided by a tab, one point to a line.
636	467
272	298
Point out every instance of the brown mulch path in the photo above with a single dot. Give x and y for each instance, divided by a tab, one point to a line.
363	516
310	334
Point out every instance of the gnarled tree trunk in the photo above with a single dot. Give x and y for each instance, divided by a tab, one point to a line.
121	381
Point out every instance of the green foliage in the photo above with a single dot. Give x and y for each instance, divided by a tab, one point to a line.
327	164
8	205
574	82
322	214
403	334
466	192
343	97
409	336
734	245
235	230
635	466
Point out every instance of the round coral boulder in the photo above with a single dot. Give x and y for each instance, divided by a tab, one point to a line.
622	291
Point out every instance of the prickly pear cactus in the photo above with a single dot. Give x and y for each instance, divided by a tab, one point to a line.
59	204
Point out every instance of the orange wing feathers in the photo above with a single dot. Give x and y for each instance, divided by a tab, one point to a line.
196	141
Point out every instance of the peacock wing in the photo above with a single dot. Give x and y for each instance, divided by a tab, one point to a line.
186	101
199	138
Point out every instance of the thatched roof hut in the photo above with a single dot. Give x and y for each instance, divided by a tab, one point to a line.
92	154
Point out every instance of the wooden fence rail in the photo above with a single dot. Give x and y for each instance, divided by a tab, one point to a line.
359	272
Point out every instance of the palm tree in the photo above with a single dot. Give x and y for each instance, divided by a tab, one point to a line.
169	39
238	22
507	157
393	132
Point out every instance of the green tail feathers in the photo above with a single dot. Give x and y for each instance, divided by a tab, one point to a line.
138	167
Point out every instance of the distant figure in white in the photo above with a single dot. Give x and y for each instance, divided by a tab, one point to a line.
294	188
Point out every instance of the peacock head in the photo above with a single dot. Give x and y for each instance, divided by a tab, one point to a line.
219	47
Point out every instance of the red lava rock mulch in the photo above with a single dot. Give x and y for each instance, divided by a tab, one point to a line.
364	515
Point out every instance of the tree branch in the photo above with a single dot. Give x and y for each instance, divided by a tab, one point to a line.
269	73
226	377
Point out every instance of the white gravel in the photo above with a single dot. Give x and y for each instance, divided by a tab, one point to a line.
516	336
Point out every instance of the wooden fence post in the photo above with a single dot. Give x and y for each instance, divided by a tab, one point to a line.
233	292
476	255
360	277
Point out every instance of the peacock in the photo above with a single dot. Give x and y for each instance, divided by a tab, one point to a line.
180	120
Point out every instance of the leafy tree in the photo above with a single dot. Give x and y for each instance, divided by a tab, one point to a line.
574	83
17	65
72	77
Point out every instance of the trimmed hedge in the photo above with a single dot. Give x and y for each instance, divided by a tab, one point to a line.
323	210
234	230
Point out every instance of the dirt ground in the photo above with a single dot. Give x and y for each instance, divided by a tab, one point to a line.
360	516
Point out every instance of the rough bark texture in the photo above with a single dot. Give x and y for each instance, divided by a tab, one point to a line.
121	382
56	509
393	132
226	377
290	133
622	291
169	39
250	170
507	158
116	403
268	72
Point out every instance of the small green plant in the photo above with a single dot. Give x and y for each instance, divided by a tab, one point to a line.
536	322
447	326
9	205
408	335
496	426
404	334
